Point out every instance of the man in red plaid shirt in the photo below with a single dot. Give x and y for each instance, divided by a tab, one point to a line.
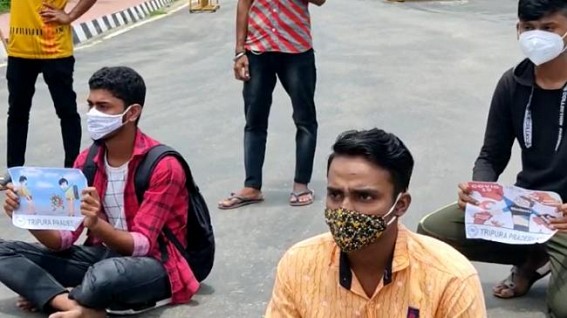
121	263
273	41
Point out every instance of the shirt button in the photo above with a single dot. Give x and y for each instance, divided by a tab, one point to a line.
275	10
274	30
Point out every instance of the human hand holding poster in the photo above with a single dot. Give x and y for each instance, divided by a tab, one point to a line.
509	214
50	198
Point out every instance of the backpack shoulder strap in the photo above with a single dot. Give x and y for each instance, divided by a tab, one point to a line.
148	164
89	168
142	183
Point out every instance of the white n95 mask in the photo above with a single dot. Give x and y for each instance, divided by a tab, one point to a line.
541	46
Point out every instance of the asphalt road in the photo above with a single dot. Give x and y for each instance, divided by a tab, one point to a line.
423	70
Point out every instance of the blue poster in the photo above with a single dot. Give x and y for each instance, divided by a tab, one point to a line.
50	198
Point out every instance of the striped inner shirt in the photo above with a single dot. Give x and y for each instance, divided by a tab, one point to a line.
279	26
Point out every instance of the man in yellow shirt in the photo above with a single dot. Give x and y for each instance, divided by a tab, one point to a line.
41	41
369	265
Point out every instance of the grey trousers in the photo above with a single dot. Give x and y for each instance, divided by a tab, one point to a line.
448	225
99	277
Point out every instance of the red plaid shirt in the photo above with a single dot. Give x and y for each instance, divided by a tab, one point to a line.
165	204
279	26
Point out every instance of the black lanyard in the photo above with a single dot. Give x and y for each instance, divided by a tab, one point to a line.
528	120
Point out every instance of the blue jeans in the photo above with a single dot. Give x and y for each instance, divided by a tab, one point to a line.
298	76
100	278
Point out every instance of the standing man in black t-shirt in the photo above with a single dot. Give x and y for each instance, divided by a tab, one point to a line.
528	106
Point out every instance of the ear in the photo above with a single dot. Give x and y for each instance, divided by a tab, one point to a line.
517	30
403	204
134	113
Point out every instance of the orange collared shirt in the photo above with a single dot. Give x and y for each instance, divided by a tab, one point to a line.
427	279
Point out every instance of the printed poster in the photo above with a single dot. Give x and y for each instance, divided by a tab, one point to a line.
509	214
50	198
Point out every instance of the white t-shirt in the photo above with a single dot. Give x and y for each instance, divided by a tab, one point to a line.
113	201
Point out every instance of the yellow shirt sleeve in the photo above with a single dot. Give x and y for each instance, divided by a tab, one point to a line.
70	194
463	298
282	304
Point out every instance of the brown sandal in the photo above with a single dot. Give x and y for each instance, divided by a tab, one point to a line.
238	201
506	289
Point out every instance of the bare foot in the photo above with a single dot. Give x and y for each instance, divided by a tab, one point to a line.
80	312
25	305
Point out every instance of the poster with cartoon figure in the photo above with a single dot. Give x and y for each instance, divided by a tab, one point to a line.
510	214
50	198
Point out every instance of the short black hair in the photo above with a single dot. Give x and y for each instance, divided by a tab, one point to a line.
122	82
23	178
532	10
381	148
63	180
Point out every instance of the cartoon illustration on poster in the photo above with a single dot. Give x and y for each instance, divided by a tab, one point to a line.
509	214
49	198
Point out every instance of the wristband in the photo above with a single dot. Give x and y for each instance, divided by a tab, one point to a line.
239	55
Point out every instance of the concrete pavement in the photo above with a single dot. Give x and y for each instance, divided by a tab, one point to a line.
425	71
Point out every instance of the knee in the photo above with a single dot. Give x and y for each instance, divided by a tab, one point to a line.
307	123
100	284
67	111
557	306
17	111
256	121
425	225
8	248
421	229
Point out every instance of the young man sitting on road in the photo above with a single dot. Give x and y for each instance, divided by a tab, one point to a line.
121	262
369	265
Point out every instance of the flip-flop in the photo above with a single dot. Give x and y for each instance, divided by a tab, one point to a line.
509	285
296	196
239	201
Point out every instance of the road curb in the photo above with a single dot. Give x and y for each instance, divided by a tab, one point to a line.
85	31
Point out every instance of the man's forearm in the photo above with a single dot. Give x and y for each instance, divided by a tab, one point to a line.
80	9
242	23
121	242
50	239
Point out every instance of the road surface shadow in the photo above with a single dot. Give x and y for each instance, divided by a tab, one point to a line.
8	306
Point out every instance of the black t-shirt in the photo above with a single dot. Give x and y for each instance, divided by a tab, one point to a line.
544	161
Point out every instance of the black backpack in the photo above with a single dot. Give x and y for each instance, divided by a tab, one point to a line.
200	251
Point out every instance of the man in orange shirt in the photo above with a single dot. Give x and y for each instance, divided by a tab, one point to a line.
369	265
41	41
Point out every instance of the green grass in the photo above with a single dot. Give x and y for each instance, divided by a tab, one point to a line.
4	6
157	12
